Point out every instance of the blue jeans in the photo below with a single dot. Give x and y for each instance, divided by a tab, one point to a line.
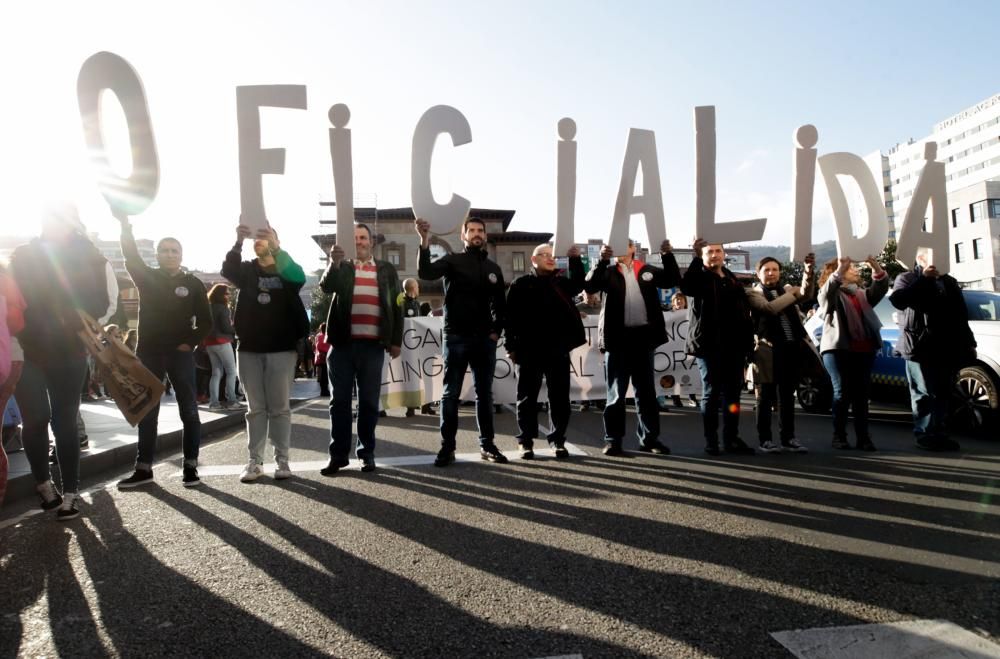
931	385
633	361
179	367
461	352
850	375
721	384
223	361
357	362
51	393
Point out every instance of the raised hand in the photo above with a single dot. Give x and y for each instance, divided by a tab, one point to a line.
809	261
844	264
607	253
665	247
337	253
698	246
242	232
573	252
875	265
423	228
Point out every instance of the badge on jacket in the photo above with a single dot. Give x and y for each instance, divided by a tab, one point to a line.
264	298
492	277
647	276
181	291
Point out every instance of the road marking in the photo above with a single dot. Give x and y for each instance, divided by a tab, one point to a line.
403	461
912	638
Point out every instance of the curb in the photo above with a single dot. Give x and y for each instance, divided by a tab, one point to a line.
93	464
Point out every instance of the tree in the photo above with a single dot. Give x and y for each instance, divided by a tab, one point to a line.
319	308
887	259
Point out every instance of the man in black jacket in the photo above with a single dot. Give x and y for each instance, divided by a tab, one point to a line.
474	315
543	326
936	342
630	329
720	336
174	317
364	323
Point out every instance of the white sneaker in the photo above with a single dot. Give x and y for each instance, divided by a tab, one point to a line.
215	406
792	446
282	470
253	471
769	447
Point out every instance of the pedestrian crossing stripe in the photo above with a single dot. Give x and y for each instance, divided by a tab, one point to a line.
884	378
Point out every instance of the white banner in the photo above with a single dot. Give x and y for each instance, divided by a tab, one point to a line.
415	377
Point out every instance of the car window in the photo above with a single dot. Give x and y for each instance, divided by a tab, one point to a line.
884	310
982	305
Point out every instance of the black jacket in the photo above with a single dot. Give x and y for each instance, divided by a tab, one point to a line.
270	315
609	280
338	280
541	316
474	302
173	309
720	315
411	307
56	280
934	322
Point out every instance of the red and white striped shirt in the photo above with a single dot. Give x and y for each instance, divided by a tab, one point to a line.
365	311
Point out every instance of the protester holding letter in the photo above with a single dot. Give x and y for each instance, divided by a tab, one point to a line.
174	317
59	273
720	337
543	327
779	342
364	323
219	346
474	317
936	342
629	330
850	340
270	318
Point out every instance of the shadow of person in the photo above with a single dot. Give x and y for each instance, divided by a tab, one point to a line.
39	572
148	608
385	610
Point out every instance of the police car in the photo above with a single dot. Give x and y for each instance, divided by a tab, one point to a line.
977	390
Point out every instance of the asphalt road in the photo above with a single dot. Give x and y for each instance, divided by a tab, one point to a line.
647	556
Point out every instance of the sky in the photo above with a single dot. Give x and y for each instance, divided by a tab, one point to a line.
867	75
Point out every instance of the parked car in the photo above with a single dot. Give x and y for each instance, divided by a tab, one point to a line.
977	390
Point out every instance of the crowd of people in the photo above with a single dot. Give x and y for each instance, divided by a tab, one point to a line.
265	341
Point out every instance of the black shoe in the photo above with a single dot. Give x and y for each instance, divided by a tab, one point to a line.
561	451
367	465
382	414
527	452
841	444
713	449
737	447
612	449
444	458
491	453
49	495
410	411
938	444
654	447
866	445
191	477
70	507
139	477
335	465
426	409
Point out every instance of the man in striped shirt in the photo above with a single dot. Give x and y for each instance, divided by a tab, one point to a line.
363	324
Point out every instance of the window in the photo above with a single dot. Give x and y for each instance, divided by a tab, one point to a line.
954	216
959	252
518	261
977	210
977	249
994	205
392	255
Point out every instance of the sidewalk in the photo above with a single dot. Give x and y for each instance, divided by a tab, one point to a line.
113	441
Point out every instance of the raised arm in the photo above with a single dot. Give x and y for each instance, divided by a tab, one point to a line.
232	266
597	278
669	275
136	267
573	284
426	269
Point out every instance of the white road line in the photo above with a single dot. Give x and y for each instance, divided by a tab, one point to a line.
403	461
911	638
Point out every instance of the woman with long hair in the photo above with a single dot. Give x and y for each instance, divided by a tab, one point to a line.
219	346
850	340
59	273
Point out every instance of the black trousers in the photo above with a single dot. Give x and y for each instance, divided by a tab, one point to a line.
554	367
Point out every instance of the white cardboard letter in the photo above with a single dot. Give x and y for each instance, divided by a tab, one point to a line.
255	161
877	231
930	189
704	188
132	195
443	218
805	178
565	186
640	150
343	177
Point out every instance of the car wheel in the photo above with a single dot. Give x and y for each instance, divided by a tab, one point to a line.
815	394
976	400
